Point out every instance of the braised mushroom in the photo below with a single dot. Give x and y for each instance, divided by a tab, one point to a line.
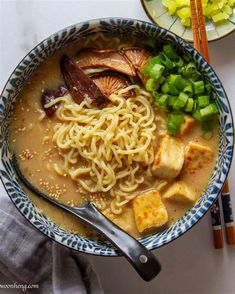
79	84
110	59
138	58
50	95
110	82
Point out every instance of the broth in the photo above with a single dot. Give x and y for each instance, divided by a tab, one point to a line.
31	140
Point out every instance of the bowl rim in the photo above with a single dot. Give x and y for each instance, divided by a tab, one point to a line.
150	17
95	22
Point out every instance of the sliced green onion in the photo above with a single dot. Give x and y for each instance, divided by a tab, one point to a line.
151	85
156	71
161	80
151	62
197	115
198	87
179	62
172	129
155	95
209	110
177	81
190	69
174	122
162	101
171	100
173	90
188	90
180	70
189	105
208	88
207	135
182	99
166	61
203	101
165	88
170	51
154	60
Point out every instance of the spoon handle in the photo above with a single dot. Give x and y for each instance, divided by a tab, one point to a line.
141	258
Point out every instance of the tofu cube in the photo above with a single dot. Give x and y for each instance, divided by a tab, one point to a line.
149	211
187	124
169	158
197	156
179	191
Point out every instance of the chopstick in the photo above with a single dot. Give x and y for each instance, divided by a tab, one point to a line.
201	44
228	215
216	225
199	37
199	30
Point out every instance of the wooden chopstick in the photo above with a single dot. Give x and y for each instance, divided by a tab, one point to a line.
228	215
196	35
202	30
216	225
201	44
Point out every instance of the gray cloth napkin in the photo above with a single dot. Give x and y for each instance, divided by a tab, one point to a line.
28	257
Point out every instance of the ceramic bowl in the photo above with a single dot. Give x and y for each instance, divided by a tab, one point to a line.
47	47
160	16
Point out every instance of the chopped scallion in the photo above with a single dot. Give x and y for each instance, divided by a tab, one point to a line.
182	99
171	100
203	101
207	135
156	71
166	61
174	122
165	88
197	115
179	62
209	110
151	85
162	101
170	51
198	87
173	89
189	105
188	90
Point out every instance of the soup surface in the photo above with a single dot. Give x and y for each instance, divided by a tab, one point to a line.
118	155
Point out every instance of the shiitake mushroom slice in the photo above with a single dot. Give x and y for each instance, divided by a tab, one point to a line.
50	95
110	82
138	57
109	58
79	84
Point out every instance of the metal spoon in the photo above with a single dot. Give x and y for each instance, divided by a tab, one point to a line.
139	256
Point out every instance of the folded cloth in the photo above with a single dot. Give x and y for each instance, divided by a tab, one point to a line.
28	257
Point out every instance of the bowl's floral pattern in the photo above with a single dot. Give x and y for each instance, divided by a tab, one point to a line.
49	46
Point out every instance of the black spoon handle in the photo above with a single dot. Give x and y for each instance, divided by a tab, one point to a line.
140	257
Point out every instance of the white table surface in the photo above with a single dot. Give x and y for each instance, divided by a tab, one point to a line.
190	264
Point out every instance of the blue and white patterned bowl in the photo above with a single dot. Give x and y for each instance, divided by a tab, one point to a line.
49	46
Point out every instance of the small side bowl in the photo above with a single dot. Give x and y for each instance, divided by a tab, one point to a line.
123	27
159	15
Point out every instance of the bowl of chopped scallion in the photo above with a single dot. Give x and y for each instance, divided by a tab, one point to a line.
175	15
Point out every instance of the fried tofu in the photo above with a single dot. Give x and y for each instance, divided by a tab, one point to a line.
149	211
197	156
169	158
179	191
187	124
